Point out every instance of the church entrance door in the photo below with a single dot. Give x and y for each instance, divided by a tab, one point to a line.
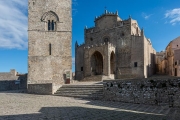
97	63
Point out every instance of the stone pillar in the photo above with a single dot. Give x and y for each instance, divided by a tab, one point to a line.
108	60
106	67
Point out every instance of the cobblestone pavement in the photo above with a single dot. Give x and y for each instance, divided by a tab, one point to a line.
18	106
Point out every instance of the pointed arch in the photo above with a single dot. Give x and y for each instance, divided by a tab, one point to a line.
97	63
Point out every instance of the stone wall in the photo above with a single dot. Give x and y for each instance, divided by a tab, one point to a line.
161	91
79	62
12	81
177	61
9	85
41	89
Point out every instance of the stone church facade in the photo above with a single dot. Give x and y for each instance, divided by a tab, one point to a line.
49	34
114	48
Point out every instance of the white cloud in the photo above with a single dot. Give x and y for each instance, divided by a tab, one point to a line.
173	15
13	24
145	16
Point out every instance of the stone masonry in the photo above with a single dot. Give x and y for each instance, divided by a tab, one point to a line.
153	91
49	57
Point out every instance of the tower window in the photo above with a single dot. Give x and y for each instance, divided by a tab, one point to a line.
50	19
135	64
51	25
81	68
50	49
91	39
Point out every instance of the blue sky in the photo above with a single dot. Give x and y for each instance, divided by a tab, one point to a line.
159	18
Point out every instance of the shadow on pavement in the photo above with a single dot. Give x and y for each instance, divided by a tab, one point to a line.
82	113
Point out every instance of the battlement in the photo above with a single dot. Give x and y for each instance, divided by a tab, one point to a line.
106	13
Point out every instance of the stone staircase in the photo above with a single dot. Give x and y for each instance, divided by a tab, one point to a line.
83	90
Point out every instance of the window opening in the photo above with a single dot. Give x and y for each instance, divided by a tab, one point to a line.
49	25
135	64
50	49
81	68
52	25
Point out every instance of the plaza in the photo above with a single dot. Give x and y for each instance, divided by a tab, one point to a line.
22	106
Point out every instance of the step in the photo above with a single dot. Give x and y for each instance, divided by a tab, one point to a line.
82	86
90	93
81	91
78	91
81	96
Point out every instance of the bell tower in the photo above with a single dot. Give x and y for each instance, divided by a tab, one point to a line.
49	41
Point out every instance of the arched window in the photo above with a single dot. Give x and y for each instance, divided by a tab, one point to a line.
50	19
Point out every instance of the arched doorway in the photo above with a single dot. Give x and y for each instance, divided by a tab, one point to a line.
97	63
112	62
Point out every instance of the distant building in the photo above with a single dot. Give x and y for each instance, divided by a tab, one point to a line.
12	75
170	64
114	48
160	58
12	80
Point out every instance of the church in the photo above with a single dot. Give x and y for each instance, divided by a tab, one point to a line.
114	49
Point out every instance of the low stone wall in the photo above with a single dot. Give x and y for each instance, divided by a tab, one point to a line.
147	91
42	89
15	84
9	85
